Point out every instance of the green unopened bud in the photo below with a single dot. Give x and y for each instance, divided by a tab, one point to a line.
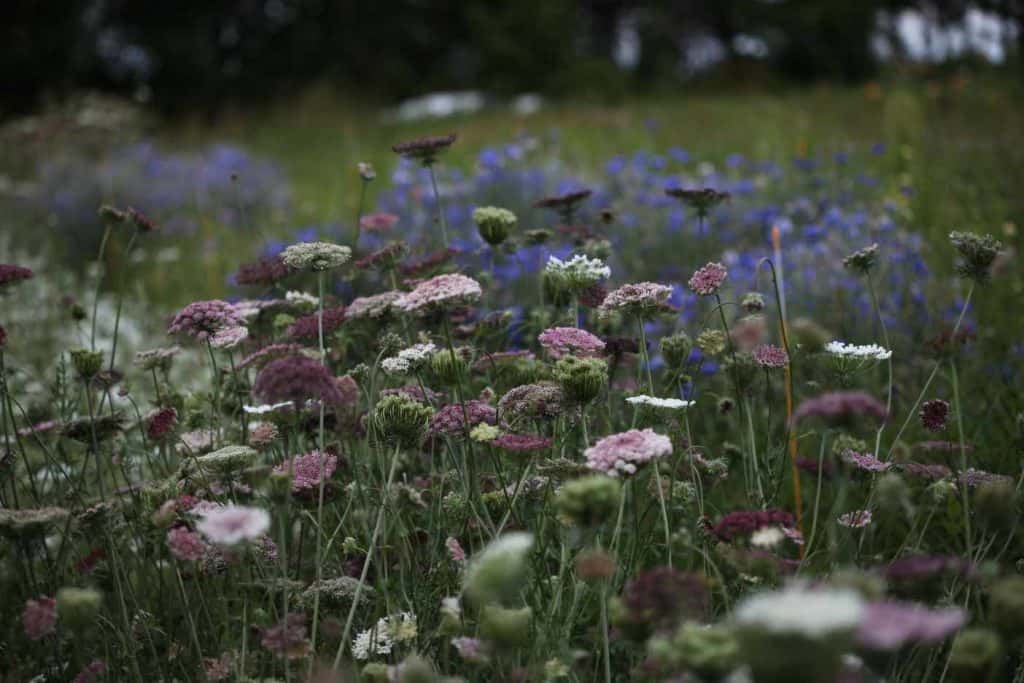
448	367
494	224
590	501
1006	606
499	571
416	669
711	342
809	335
675	349
752	302
975	655
279	486
711	651
582	379
87	363
508	628
78	607
228	459
400	420
377	672
977	253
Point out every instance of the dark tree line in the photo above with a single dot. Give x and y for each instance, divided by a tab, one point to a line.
201	53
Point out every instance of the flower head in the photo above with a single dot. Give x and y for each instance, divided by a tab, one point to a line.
769	356
577	274
701	200
640	299
307	328
802	611
426	149
266	271
862	260
185	544
564	204
856	519
668	404
307	471
378	222
493	223
977	253
889	626
934	414
531	402
522	443
287	638
297	379
708	279
858	351
39	618
621	454
373	307
316	256
440	292
451	421
841	406
203	319
559	341
864	461
11	274
499	570
233	524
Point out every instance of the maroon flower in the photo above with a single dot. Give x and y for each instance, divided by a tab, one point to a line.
307	328
450	421
659	598
522	443
746	522
386	257
160	422
297	379
934	414
701	200
810	466
916	469
923	566
203	319
11	274
262	356
266	271
564	204
426	149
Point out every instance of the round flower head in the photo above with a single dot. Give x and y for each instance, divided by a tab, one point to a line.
522	443
233	524
499	570
582	379
426	149
864	461
862	260
559	341
564	205
441	292
451	419
543	401
316	256
621	454
185	545
640	299
296	379
11	274
401	420
675	349
494	224
229	337
977	253
670	404
39	617
204	319
366	171
409	360
708	279
769	356
307	470
589	501
307	328
373	307
266	271
577	274
934	414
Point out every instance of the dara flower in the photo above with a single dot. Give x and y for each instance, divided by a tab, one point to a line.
771	357
889	626
839	407
261	357
39	618
409	360
977	253
564	205
265	272
372	307
316	256
297	379
185	544
862	260
160	423
499	571
582	379
401	420
669	404
425	150
576	274
494	224
233	524
11	274
743	523
203	319
441	292
642	299
934	414
621	454
559	341
542	401
451	419
700	200
855	519
306	470
287	638
522	443
708	279
229	337
384	259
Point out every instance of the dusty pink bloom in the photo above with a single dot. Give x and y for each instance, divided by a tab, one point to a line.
641	298
864	461
218	668
306	470
297	379
287	638
262	434
708	279
92	671
917	469
233	524
455	550
268	353
307	328
372	307
934	414
470	649
841	407
40	617
450	421
229	337
10	274
889	626
856	519
203	319
522	443
974	477
572	340
197	441
748	332
770	356
378	222
184	544
622	453
440	292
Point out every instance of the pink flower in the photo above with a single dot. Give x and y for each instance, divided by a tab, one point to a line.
160	422
378	222
841	407
864	461
856	519
641	298
40	617
92	671
708	279
572	340
229	337
522	443
769	356
186	545
297	379
233	524
443	291
889	626
203	319
306	470
450	421
307	328
455	550
622	453
372	307
10	274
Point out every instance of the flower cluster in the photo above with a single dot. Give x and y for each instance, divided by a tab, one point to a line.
641	299
708	279
316	256
438	293
621	454
205	319
559	341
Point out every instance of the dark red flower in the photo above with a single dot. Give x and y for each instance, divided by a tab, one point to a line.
266	271
10	274
307	327
746	522
297	379
160	423
934	414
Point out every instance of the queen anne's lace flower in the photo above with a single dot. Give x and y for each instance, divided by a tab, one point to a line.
572	340
641	298
578	273
662	403
622	453
443	291
858	351
408	360
204	319
316	256
372	307
802	611
708	279
306	470
769	356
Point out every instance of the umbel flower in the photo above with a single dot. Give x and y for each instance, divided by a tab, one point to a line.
494	224
641	299
839	407
564	205
296	379
307	328
233	524
451	419
11	274
559	341
589	501
498	572
374	307
977	253
934	414
401	420
863	260
708	279
440	293
542	401
889	626
425	150
307	470
203	319
316	256
700	200
667	404
770	356
265	272
621	454
659	598
582	379
577	274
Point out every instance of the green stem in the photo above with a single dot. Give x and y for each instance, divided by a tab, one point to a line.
440	207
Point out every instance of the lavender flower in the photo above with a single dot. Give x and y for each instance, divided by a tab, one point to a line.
450	421
233	524
856	519
889	626
640	299
439	293
307	328
708	279
305	470
559	341
203	319
865	461
621	454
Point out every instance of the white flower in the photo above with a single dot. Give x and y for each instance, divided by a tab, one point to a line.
302	299
408	360
266	408
395	366
858	351
233	524
579	272
229	337
767	538
385	633
801	611
655	402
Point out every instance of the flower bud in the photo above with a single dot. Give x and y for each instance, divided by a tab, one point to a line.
582	379
589	501
974	655
500	570
87	363
494	224
400	420
675	349
509	628
78	607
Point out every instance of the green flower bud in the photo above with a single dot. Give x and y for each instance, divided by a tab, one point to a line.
228	459
974	655
995	503
863	260
499	571
752	302
400	420
494	224
87	363
711	342
416	669
447	367
711	651
1006	606
977	253
78	607
675	349
582	379
590	501
507	628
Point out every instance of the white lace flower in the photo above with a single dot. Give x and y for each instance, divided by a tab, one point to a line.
408	360
579	272
858	351
655	402
800	610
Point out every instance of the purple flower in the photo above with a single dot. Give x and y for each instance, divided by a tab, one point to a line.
659	598
770	356
372	307
265	272
522	443
641	299
297	379
160	422
267	353
424	150
622	453
203	319
841	407
450	421
973	477
185	544
11	274
745	522
306	470
232	524
39	618
917	469
919	567
307	328
934	414
569	340
443	291
889	626
864	461
708	279
855	519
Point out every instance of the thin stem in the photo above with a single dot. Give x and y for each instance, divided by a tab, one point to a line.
323	464
99	283
664	513
440	207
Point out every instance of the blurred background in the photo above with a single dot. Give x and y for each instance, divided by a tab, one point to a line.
237	127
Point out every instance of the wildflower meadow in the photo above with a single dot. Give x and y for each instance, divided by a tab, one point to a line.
517	417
